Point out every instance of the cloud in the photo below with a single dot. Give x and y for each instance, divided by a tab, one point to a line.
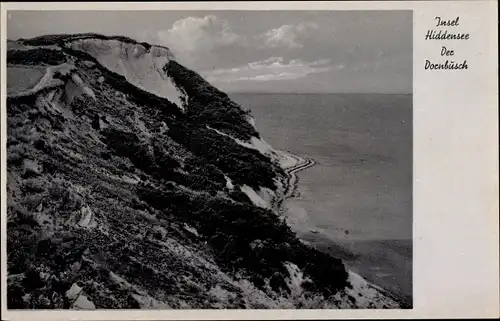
274	68
199	41
195	34
287	35
199	34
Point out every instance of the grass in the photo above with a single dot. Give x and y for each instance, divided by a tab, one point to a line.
21	78
182	180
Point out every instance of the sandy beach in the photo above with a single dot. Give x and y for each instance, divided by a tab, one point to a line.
371	264
292	164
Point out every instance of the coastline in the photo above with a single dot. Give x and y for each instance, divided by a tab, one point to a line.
292	165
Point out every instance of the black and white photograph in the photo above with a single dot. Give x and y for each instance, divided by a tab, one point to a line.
209	159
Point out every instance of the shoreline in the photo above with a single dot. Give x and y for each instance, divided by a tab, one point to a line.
299	164
292	180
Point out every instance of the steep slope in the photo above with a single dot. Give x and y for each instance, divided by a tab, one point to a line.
133	183
140	66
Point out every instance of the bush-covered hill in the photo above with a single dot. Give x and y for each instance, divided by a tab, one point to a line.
118	198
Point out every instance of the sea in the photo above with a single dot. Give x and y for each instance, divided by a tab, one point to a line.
356	202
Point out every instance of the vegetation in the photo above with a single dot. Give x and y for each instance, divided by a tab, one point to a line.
209	106
101	199
243	165
36	56
62	39
21	79
231	227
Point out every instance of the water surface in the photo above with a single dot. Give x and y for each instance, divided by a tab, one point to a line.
356	202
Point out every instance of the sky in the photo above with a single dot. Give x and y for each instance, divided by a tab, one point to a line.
259	51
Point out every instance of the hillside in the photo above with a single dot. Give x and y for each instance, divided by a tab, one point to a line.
134	183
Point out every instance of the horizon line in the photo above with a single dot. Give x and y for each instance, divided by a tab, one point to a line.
312	92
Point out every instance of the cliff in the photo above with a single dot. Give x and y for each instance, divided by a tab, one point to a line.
134	183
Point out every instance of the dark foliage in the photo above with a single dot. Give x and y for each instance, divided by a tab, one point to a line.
127	144
36	56
155	161
61	39
231	227
243	165
209	106
245	238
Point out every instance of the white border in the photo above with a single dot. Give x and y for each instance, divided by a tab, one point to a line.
456	251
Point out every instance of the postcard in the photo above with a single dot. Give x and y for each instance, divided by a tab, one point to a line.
249	160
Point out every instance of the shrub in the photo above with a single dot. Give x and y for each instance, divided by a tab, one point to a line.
21	242
36	56
129	145
63	194
61	39
231	227
208	105
242	165
245	238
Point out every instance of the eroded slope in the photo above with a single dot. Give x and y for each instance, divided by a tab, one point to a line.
120	198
